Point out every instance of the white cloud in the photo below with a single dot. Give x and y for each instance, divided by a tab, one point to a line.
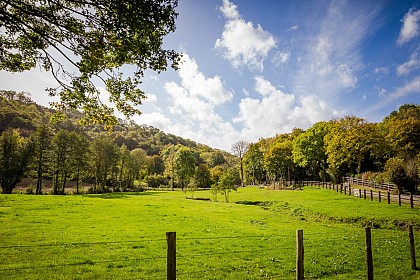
154	119
294	27
229	10
330	59
281	57
242	44
381	70
211	89
410	27
150	98
412	64
411	87
278	112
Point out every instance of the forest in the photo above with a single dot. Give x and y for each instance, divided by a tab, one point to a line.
41	144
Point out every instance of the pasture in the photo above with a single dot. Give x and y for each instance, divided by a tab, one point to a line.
122	235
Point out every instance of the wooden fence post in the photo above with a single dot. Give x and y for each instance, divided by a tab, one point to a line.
399	199
369	259
171	256
349	189
364	194
360	193
412	247
345	190
341	188
299	255
379	196
371	195
389	198
411	201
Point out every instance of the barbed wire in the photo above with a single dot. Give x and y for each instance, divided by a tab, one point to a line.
79	243
87	262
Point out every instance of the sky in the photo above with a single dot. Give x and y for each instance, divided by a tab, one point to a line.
254	69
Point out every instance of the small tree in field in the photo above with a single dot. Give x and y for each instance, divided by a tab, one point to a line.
228	181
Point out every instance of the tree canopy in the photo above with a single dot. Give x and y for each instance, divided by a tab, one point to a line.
80	42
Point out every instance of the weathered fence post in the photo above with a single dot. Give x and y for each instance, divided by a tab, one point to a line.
389	198
379	196
412	247
299	255
341	188
345	190
411	201
364	194
399	199
349	189
171	256
369	259
371	195
360	193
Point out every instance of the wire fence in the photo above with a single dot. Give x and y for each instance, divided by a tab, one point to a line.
214	257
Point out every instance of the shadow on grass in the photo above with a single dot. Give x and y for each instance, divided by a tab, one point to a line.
120	194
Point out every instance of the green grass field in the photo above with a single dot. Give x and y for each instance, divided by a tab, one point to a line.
122	236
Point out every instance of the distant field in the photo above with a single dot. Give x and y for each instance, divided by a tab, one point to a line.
122	236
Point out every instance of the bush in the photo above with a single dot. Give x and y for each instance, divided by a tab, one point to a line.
156	180
30	190
402	174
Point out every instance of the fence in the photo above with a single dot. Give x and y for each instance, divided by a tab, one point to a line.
371	194
308	250
371	184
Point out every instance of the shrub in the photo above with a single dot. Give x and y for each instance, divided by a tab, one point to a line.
156	180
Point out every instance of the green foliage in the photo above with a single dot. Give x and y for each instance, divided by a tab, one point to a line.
309	150
202	176
156	180
402	173
93	39
15	154
254	163
228	181
184	165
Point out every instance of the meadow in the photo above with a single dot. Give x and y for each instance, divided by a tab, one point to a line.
122	235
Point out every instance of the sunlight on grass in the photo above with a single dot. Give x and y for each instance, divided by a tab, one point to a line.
122	236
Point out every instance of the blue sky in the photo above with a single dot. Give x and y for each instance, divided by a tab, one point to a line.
254	69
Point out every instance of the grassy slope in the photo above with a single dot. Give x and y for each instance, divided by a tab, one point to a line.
122	236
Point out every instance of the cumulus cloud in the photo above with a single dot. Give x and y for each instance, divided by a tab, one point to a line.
155	119
242	44
193	104
412	64
278	112
197	85
410	28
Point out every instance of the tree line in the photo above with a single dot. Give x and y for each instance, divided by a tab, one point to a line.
385	151
131	157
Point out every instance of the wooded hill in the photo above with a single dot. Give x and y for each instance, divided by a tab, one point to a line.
128	156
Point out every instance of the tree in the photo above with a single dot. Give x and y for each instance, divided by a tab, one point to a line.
15	154
61	165
353	146
104	153
278	159
202	176
41	141
254	162
79	41
79	157
309	150
184	165
239	149
403	174
228	181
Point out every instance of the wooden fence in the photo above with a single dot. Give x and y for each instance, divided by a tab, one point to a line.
372	194
300	256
